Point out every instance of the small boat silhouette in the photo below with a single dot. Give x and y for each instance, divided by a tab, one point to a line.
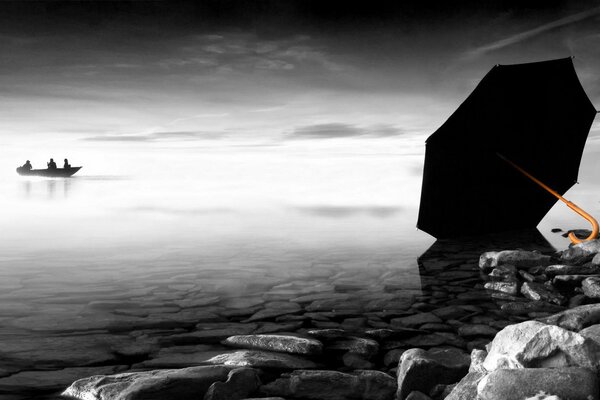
52	173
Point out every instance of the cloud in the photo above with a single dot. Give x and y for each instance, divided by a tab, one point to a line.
519	37
158	136
341	130
349	211
181	211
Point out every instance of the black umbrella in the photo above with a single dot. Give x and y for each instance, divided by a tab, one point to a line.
535	115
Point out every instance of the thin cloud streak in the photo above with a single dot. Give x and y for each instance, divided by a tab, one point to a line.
514	39
341	130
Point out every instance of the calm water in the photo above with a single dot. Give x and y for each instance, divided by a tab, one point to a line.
137	237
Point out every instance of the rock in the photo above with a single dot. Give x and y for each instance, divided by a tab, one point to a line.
466	389
534	344
262	359
240	384
563	269
150	385
450	312
504	271
391	334
581	251
272	327
210	333
591	287
279	343
596	260
517	384
569	281
477	359
436	327
356	361
575	319
333	385
328	334
527	307
504	287
416	395
539	292
415	320
518	258
469	330
366	348
421	370
275	310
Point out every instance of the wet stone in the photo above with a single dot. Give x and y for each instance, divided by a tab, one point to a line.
470	330
328	334
262	359
504	287
415	320
527	307
279	343
539	292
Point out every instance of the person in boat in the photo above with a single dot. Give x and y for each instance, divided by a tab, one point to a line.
67	165
51	164
27	166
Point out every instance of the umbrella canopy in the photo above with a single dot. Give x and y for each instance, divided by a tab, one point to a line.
536	115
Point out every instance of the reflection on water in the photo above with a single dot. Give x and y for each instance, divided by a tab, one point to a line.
46	188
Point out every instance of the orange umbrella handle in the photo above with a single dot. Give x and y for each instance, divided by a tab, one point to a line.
569	204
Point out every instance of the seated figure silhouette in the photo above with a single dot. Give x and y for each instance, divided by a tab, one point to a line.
51	164
27	166
67	165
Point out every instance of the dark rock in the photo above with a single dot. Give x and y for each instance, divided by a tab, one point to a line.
562	269
575	319
568	281
518	258
527	307
391	334
451	312
356	361
392	357
436	327
333	385
328	334
527	276
421	370
539	292
415	320
240	384
150	385
280	343
262	359
591	287
416	395
181	356
25	381
470	330
581	251
272	327
276	309
504	272
367	348
518	384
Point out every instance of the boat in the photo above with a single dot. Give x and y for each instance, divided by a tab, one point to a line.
51	173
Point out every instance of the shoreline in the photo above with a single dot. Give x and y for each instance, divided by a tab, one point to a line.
370	334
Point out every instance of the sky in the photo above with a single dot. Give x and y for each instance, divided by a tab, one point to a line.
320	105
267	72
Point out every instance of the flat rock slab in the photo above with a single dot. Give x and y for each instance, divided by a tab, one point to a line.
575	319
262	359
518	384
170	384
333	385
279	343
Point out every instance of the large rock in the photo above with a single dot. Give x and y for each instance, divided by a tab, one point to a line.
151	385
421	370
333	385
280	343
580	252
534	344
262	359
240	383
518	258
575	319
517	384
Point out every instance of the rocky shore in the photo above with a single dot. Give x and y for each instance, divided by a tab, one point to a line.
516	324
